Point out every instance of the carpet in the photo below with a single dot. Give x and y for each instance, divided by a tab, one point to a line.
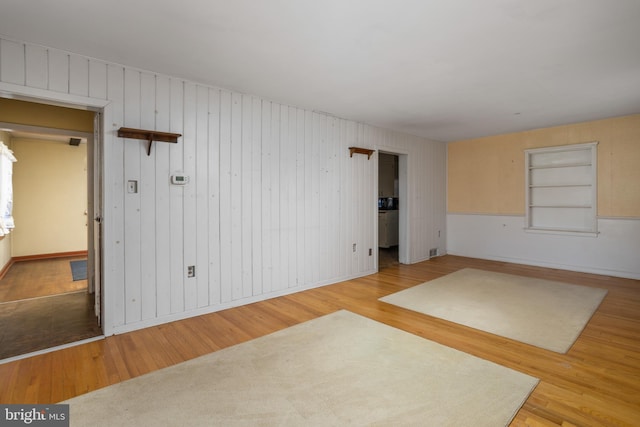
543	313
339	369
79	270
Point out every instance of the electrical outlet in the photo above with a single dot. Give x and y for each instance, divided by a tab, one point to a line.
354	247
191	271
370	251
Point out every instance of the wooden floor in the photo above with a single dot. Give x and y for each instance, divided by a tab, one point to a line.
597	383
42	307
39	278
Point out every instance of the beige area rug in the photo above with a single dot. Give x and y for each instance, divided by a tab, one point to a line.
543	313
336	370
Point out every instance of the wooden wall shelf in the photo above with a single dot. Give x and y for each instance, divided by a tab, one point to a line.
148	135
367	151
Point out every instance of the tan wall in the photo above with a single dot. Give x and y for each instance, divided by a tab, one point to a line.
50	197
486	175
30	113
5	241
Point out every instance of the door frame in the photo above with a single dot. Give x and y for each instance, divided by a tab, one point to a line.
404	237
95	173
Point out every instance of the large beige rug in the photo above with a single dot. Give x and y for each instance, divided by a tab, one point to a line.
336	370
542	313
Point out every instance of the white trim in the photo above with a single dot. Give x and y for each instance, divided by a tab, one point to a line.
593	185
51	349
404	190
130	327
502	238
560	148
13	91
562	232
9	90
44	130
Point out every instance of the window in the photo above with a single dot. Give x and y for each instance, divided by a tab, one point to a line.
6	189
561	188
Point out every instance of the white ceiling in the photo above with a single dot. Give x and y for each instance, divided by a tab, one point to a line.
441	69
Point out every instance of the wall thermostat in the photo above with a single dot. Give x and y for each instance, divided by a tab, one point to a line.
179	179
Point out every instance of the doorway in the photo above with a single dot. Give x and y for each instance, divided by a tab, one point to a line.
392	209
59	298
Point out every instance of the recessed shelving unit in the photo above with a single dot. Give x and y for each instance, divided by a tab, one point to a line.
561	188
148	135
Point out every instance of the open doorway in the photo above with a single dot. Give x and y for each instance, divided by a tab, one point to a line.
388	203
48	288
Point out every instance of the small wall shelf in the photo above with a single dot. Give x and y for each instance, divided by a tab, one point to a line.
148	135
358	150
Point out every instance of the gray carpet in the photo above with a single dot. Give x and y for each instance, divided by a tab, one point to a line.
543	313
336	370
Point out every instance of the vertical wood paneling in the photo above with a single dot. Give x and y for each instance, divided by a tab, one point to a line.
12	62
236	196
214	198
58	71
115	284
36	67
300	197
344	185
309	242
315	202
147	188
78	75
284	205
163	200
323	197
267	197
176	197
291	183
132	206
202	190
97	79
334	210
274	202
246	199
189	196
256	196
226	270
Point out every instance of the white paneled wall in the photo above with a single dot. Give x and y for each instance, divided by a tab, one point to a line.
274	203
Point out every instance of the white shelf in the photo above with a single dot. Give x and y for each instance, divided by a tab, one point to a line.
562	206
567	165
559	185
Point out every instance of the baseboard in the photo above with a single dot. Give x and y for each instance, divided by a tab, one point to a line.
6	268
48	256
547	264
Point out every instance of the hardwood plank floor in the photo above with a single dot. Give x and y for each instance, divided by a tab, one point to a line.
597	383
40	323
39	278
42	307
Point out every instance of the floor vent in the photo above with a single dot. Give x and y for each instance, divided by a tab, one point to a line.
433	252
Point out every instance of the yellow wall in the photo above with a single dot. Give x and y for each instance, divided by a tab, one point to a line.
486	175
49	197
30	113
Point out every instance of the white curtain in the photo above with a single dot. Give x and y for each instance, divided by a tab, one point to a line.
6	189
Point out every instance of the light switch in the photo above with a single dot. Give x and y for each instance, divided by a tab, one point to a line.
132	186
